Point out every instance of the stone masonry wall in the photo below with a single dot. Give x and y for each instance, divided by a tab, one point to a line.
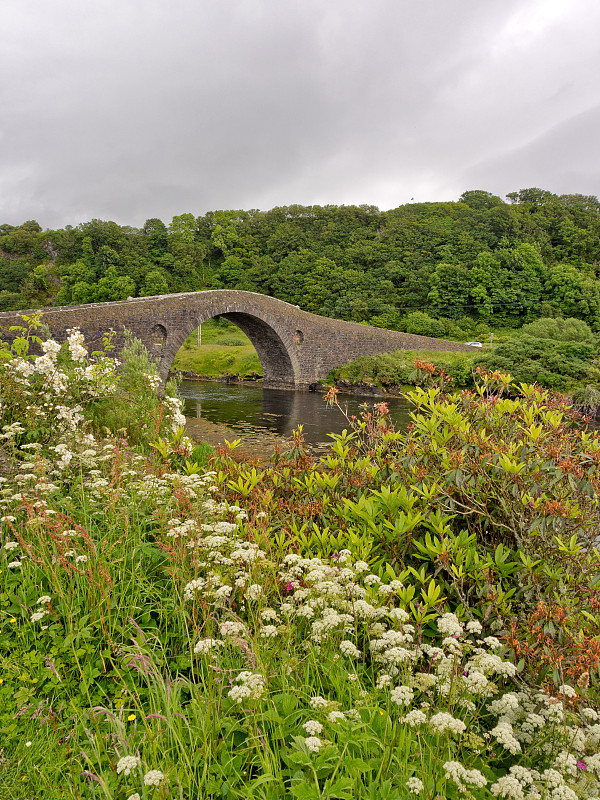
295	348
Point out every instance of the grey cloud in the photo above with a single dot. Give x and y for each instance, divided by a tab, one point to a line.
132	110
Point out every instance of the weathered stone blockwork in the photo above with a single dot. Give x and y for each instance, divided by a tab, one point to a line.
295	348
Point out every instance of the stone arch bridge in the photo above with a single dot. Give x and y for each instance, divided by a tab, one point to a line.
295	348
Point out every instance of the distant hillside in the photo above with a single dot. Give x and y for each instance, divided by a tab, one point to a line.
442	269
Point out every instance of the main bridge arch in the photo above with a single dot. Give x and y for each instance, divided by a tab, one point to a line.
275	344
295	348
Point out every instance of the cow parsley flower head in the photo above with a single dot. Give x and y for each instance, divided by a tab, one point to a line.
153	778
473	626
254	591
251	686
313	743
414	785
442	722
461	776
449	625
127	764
312	727
399	615
402	695
567	691
504	735
205	646
349	649
415	718
508	786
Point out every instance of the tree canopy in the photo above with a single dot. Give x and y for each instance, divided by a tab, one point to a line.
476	262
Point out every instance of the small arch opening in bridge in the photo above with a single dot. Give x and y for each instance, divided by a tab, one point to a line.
219	348
158	338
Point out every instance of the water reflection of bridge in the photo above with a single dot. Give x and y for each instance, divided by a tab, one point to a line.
251	412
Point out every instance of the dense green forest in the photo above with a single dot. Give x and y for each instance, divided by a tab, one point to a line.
449	269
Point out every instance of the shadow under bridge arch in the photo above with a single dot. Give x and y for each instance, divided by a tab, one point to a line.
277	355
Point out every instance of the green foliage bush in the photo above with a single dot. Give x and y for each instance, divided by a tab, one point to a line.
397	368
231	341
559	329
422	324
558	365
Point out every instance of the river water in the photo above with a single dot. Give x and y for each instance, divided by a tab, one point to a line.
264	418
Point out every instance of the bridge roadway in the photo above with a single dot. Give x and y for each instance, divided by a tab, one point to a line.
295	348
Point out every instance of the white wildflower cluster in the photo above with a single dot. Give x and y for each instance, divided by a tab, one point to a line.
154	778
463	777
251	686
153	382
153	488
313	743
415	785
232	628
177	529
402	695
567	691
349	649
443	721
312	727
75	344
205	646
504	735
449	625
127	764
415	718
53	389
173	406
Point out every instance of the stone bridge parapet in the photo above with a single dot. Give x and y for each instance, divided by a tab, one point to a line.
295	348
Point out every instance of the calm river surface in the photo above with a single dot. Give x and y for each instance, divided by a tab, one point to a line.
263	416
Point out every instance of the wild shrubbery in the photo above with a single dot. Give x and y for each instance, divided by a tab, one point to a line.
560	354
397	369
411	613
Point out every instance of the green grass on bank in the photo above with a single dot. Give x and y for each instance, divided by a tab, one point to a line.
224	349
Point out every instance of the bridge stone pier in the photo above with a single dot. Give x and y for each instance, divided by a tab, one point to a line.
295	348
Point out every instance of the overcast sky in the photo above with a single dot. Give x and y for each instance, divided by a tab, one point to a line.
130	109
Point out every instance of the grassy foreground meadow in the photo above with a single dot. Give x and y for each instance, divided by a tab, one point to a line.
410	615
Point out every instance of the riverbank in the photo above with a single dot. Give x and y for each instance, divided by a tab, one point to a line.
345	387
